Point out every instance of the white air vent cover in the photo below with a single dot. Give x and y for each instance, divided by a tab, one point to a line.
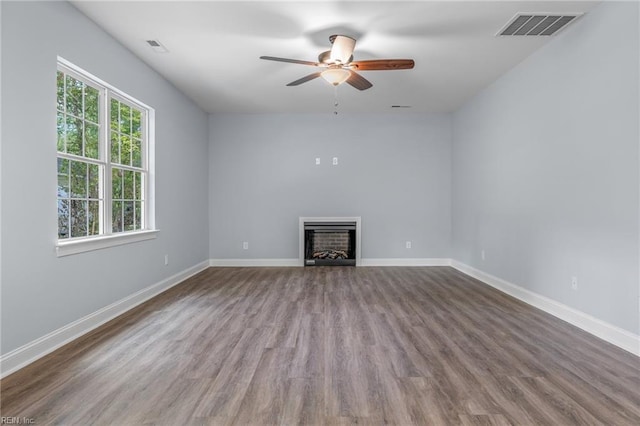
157	46
537	24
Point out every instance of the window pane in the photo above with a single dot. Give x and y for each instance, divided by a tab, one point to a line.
63	178
125	150
91	104
94	181
63	166
136	123
94	218
78	179
128	215
78	218
60	91
74	96
116	180
138	215
125	119
136	153
115	117
63	186
115	148
137	192
117	216
60	127
74	135
63	218
128	185
90	140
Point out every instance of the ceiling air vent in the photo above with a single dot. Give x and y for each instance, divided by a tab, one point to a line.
157	46
537	24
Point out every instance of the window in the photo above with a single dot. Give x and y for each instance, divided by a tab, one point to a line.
103	161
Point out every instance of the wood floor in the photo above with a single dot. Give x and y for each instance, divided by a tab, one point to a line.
331	345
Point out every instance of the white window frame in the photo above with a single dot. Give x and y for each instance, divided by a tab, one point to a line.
107	238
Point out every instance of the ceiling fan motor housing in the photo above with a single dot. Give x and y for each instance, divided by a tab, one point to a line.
325	58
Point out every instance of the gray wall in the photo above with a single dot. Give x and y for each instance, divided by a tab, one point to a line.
394	171
545	170
40	292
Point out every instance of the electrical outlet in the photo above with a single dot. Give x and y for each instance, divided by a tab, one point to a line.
245	245
408	244
166	259
482	254
335	161
318	161
574	283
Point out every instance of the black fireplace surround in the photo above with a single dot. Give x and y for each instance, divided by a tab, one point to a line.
330	243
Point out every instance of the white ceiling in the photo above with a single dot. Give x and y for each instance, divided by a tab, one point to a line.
214	48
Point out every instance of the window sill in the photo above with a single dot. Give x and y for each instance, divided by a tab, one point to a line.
66	248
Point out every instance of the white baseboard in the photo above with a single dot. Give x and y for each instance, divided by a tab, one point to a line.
406	262
254	262
24	355
605	331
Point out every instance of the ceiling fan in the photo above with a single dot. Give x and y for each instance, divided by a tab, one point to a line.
340	66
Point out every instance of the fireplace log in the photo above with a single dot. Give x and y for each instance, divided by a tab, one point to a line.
330	254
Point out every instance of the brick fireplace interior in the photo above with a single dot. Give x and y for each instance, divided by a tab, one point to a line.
330	243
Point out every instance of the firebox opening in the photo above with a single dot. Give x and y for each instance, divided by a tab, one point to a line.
330	243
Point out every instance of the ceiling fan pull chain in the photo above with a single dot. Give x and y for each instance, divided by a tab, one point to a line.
335	100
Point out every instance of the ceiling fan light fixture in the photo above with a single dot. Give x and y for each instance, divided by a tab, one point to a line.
336	76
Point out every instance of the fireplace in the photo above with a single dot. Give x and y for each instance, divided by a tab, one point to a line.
329	241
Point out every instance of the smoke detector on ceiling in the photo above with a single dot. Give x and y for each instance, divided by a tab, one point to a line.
537	24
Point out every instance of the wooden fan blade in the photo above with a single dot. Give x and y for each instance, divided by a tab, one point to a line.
304	79
358	81
293	61
383	64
